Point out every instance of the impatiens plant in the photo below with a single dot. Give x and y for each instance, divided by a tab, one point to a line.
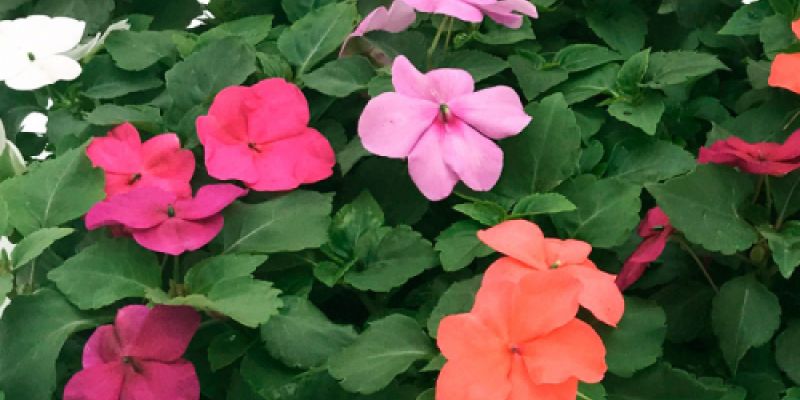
399	199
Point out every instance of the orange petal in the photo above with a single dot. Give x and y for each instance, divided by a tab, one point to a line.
543	302
600	293
464	337
524	389
493	305
567	251
517	238
506	269
796	28
573	351
474	380
784	72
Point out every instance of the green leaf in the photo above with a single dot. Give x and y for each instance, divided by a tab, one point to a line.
663	382
676	67
705	205
457	299
101	79
785	246
588	84
644	114
622	27
296	221
688	306
296	9
55	192
776	34
148	117
458	245
545	153
542	203
745	314
580	57
33	330
341	77
632	72
636	343
353	221
786	193
235	298
317	34
792	394
90	280
32	246
747	19
386	349
226	348
608	210
533	78
389	257
253	29
95	13
135	51
485	212
648	161
202	277
786	351
479	64
302	336
496	34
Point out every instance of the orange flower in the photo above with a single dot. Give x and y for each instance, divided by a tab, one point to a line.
785	67
521	341
528	250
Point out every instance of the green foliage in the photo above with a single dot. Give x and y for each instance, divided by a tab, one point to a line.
636	342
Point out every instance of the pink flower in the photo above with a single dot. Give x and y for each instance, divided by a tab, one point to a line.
128	163
762	158
163	222
395	19
139	357
504	12
443	127
501	11
260	136
655	229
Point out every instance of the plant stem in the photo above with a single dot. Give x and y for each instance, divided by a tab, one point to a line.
758	188
449	33
177	274
768	190
686	247
435	42
782	212
583	396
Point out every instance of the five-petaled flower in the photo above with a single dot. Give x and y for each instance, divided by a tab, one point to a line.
520	341
443	126
139	357
655	229
128	163
762	158
161	221
260	136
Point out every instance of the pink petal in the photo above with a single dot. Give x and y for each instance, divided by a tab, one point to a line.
396	19
475	159
520	239
571	351
650	249
166	165
655	218
102	347
163	334
119	152
600	293
790	149
128	323
275	111
160	381
227	110
291	162
495	112
391	124
140	208
176	236
504	12
427	166
461	9
209	200
101	382
226	161
630	273
438	86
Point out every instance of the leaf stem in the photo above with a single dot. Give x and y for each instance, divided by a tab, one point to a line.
768	190
758	188
688	248
435	42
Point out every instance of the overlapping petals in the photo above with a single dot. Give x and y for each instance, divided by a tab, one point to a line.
161	221
139	357
655	229
783	72
762	158
443	127
128	163
505	12
397	18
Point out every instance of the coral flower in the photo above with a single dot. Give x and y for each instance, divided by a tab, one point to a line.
520	342
139	357
163	222
443	126
528	250
397	18
260	136
501	11
763	158
655	229
783	72
128	163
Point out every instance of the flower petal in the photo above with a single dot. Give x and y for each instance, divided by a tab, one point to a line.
230	121
163	334
209	200
460	9
427	167
600	293
101	382
176	236
167	165
141	208
45	35
439	86
477	380
630	273
392	124
119	152
275	110
288	163
519	239
159	381
495	112
465	337
574	350
226	160
565	252
534	313
525	389
783	73
475	159
45	71
102	347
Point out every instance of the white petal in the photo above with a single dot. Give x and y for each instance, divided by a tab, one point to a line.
14	62
43	35
2	137
97	41
45	71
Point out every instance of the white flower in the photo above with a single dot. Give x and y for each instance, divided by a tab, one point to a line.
97	41
11	161
32	51
749	1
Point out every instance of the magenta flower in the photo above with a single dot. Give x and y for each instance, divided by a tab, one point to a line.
397	18
260	136
443	127
128	163
655	229
161	221
763	158
139	357
501	11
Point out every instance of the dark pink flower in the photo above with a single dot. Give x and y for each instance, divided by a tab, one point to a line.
139	357
260	136
163	222
128	163
655	229
762	158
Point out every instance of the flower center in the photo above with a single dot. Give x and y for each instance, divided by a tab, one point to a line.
555	264
31	57
134	178
444	111
170	211
254	147
515	349
130	361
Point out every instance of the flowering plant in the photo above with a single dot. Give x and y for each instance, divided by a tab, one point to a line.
399	199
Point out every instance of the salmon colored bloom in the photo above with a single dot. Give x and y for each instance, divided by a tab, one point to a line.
128	163
529	251
783	73
443	126
139	357
656	230
163	222
259	135
762	158
520	341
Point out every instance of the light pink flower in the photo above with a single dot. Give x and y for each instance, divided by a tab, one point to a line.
397	18
443	126
161	221
139	357
260	136
509	12
128	163
505	12
655	229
